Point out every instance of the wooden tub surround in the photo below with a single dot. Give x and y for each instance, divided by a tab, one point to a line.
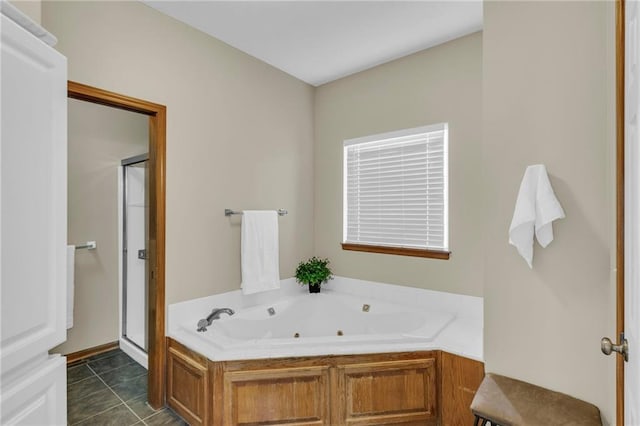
407	388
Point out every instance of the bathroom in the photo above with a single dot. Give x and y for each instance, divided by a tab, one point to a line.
242	134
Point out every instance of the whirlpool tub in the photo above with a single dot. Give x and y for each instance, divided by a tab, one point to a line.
359	353
349	317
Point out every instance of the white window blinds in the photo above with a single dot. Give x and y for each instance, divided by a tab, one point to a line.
396	189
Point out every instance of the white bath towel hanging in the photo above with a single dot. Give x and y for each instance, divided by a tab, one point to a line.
71	261
260	251
536	209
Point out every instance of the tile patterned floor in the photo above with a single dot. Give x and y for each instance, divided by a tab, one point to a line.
111	389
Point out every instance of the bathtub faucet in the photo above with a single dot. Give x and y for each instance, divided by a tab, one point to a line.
214	315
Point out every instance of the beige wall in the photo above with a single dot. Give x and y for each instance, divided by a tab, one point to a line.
99	138
31	8
548	98
441	84
239	133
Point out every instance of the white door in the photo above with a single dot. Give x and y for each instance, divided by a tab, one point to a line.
39	397
33	227
632	217
33	177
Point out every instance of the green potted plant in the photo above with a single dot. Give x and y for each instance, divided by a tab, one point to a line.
313	272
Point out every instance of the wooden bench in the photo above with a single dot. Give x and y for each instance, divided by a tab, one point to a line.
502	401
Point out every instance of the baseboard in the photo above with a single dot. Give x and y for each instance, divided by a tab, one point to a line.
96	350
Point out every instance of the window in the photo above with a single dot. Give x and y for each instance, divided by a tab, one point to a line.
396	193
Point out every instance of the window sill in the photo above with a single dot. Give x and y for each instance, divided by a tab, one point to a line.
400	251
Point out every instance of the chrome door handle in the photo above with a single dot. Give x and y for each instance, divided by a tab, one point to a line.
623	348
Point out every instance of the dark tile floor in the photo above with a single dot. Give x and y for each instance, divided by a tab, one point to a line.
111	389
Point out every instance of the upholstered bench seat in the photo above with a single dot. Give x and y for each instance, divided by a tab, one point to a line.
509	402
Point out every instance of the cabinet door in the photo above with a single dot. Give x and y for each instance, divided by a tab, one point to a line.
283	396
187	383
33	182
39	397
391	392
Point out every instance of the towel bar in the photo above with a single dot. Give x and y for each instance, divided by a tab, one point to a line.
229	212
88	245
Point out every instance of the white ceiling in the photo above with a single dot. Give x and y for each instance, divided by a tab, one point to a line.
321	41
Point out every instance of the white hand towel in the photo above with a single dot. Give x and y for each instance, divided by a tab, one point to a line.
536	209
259	252
71	261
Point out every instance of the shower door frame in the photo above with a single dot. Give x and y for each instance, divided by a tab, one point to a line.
127	162
156	226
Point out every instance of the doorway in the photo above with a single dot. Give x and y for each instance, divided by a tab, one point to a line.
155	262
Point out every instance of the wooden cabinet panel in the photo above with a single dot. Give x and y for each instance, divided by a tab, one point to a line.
292	396
392	392
408	388
461	377
187	384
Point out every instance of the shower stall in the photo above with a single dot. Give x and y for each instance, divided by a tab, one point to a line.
134	270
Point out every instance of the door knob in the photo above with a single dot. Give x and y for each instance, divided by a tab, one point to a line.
623	348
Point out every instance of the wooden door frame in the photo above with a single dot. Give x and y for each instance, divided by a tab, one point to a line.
157	186
620	63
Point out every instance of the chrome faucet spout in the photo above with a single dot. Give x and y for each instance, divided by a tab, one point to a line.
214	315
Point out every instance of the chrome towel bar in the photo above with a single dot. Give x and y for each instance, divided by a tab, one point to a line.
229	212
88	245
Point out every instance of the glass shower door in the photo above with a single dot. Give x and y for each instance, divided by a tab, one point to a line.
136	213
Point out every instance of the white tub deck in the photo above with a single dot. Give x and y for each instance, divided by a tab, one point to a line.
399	319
